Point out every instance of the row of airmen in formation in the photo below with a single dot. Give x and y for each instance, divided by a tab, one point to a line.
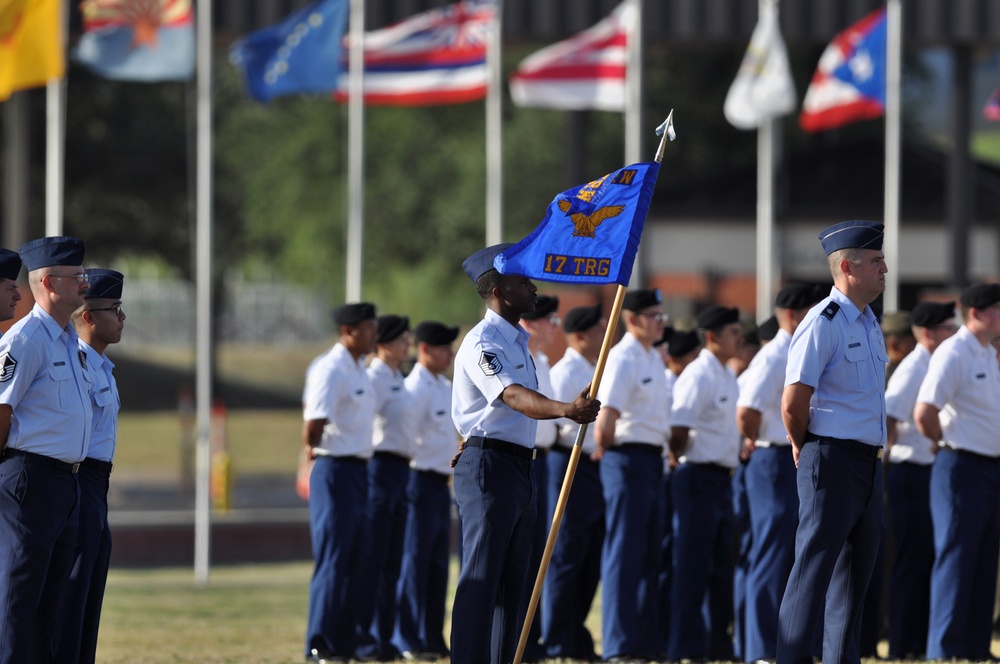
58	428
689	458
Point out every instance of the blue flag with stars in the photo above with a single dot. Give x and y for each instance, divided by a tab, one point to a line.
301	54
590	234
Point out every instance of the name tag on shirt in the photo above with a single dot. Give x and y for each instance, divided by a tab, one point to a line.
854	345
647	380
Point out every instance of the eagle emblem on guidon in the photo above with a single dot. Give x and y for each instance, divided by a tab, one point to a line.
7	366
584	224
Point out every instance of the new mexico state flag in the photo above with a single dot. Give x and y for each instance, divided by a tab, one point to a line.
31	51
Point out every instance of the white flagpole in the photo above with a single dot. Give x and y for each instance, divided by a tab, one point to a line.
356	151
765	216
633	103
55	139
203	292
765	205
494	127
894	59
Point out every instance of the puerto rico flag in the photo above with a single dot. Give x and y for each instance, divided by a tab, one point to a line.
849	83
436	57
138	40
991	111
586	71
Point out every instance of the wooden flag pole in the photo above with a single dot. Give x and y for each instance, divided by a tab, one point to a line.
574	457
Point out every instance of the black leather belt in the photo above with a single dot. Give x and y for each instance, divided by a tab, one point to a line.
393	456
644	447
435	476
43	460
97	464
856	446
501	445
345	459
973	455
714	467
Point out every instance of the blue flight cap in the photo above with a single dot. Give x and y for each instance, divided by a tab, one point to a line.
49	251
10	264
104	283
481	262
852	235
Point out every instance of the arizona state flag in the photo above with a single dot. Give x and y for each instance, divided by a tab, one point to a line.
590	233
31	51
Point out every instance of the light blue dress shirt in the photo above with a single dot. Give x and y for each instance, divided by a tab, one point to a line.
493	356
840	353
47	384
105	402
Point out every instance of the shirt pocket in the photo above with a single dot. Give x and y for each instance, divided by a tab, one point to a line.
855	355
61	377
103	401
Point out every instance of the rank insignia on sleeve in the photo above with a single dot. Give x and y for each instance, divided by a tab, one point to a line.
7	366
490	364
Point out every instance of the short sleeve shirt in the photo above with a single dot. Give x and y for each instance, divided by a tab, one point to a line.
391	427
45	380
635	384
761	386
704	400
493	356
839	352
545	434
900	399
338	391
569	376
105	403
434	435
963	382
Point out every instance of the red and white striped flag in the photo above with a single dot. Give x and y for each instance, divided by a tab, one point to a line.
435	57
586	71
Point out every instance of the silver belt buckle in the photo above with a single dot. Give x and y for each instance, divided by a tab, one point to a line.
75	468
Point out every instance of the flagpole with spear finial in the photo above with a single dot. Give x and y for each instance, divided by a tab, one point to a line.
665	131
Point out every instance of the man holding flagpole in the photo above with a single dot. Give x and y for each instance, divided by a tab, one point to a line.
494	405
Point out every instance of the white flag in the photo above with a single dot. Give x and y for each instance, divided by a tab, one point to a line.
763	88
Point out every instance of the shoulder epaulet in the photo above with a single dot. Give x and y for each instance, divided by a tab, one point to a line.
830	311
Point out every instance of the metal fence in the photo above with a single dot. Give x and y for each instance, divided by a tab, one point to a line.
162	312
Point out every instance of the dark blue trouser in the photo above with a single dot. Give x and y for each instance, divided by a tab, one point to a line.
631	476
840	525
703	563
497	499
575	568
666	571
338	492
774	514
386	523
81	615
909	504
39	512
743	540
540	468
423	579
965	492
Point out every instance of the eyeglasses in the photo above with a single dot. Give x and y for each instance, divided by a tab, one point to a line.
81	277
117	309
657	316
555	320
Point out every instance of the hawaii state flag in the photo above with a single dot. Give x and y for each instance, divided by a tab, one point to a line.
991	111
590	233
586	71
763	88
31	51
436	57
138	40
302	54
849	83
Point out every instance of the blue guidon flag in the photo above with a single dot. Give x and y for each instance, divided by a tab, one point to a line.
590	234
